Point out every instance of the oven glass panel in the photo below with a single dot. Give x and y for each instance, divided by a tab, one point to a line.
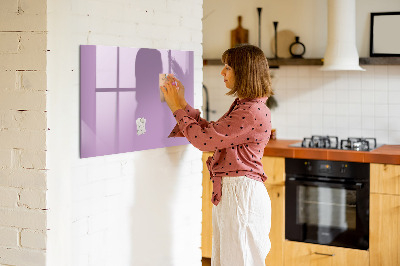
326	207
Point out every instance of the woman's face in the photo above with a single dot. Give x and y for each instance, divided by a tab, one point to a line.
229	76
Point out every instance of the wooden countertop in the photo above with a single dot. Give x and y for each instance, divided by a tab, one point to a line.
389	154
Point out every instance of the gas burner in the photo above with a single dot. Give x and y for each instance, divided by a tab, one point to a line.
358	144
332	142
327	142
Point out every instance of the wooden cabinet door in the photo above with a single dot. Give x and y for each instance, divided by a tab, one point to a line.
385	178
206	225
384	237
274	168
277	233
304	254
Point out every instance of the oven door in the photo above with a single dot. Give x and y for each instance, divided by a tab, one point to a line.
327	213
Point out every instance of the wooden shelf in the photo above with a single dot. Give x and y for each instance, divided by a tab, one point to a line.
380	61
273	63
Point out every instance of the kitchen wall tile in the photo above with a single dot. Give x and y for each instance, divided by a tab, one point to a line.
317	108
393	71
342	96
303	82
317	120
382	123
381	97
355	132
342	133
304	109
394	97
381	136
342	122
394	137
354	80
381	110
291	71
342	80
380	84
317	131
355	96
305	95
316	82
367	133
394	82
342	109
292	82
367	96
367	122
394	110
328	74
329	93
329	122
355	109
304	72
380	71
394	123
354	122
367	82
293	120
317	95
315	72
367	110
329	109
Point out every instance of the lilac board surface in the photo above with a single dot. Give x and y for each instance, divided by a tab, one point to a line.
120	104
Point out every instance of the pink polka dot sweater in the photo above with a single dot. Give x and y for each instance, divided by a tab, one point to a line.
238	139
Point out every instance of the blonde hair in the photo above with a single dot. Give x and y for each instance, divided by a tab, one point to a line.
250	66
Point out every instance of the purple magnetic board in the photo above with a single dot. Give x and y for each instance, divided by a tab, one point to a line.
120	105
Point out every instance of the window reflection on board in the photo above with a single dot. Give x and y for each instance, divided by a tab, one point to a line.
121	110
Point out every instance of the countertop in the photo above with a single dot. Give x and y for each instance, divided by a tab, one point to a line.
388	154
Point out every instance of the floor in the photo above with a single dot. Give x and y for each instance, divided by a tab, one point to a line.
206	261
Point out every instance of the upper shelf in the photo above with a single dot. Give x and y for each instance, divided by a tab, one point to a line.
314	61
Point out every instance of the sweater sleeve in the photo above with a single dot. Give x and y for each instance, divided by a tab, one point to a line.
193	113
232	130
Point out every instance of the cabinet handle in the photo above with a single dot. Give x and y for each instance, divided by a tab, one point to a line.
324	254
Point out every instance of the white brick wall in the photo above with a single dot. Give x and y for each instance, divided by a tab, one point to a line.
140	208
23	132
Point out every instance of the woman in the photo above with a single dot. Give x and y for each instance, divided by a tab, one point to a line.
242	208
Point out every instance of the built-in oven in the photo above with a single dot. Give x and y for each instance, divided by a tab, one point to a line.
327	202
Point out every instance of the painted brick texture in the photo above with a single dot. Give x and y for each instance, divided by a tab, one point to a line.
23	218
140	208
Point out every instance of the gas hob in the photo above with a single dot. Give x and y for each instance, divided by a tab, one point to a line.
332	142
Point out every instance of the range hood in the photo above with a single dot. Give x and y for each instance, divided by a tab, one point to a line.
341	51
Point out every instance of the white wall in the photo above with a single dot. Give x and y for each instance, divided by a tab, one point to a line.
140	208
311	102
23	133
306	19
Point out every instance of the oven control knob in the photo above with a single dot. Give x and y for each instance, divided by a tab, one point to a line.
343	168
308	166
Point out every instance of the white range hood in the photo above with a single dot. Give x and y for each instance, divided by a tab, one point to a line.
341	51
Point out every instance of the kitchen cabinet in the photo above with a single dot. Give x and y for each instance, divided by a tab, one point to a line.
274	168
206	225
385	215
385	178
305	254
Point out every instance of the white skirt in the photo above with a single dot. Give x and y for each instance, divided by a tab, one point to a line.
241	223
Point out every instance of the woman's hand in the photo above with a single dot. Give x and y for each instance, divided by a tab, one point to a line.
172	94
181	90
